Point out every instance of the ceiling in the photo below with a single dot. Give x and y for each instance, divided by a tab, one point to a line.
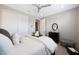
41	10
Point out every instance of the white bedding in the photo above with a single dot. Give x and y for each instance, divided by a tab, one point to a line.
49	43
5	44
30	46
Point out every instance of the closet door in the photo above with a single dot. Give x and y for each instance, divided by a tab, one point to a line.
23	24
14	22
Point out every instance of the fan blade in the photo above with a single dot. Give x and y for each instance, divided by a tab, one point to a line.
35	5
46	5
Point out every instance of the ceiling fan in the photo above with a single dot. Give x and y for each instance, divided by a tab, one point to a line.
40	6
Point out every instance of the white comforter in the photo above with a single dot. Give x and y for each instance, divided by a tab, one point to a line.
30	46
49	43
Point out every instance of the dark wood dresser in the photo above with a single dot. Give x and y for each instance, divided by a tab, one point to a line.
54	36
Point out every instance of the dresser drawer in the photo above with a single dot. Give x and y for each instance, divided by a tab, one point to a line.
54	36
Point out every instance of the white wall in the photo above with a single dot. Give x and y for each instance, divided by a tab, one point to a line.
78	28
67	24
14	21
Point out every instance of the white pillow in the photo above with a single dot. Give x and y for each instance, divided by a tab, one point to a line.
5	44
16	39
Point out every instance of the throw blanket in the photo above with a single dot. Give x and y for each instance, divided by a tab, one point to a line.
49	43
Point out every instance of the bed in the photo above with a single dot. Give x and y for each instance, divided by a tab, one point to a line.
25	45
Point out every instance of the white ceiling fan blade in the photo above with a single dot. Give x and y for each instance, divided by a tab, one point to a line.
35	5
46	5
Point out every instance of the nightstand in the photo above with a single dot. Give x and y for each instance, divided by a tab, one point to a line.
54	36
